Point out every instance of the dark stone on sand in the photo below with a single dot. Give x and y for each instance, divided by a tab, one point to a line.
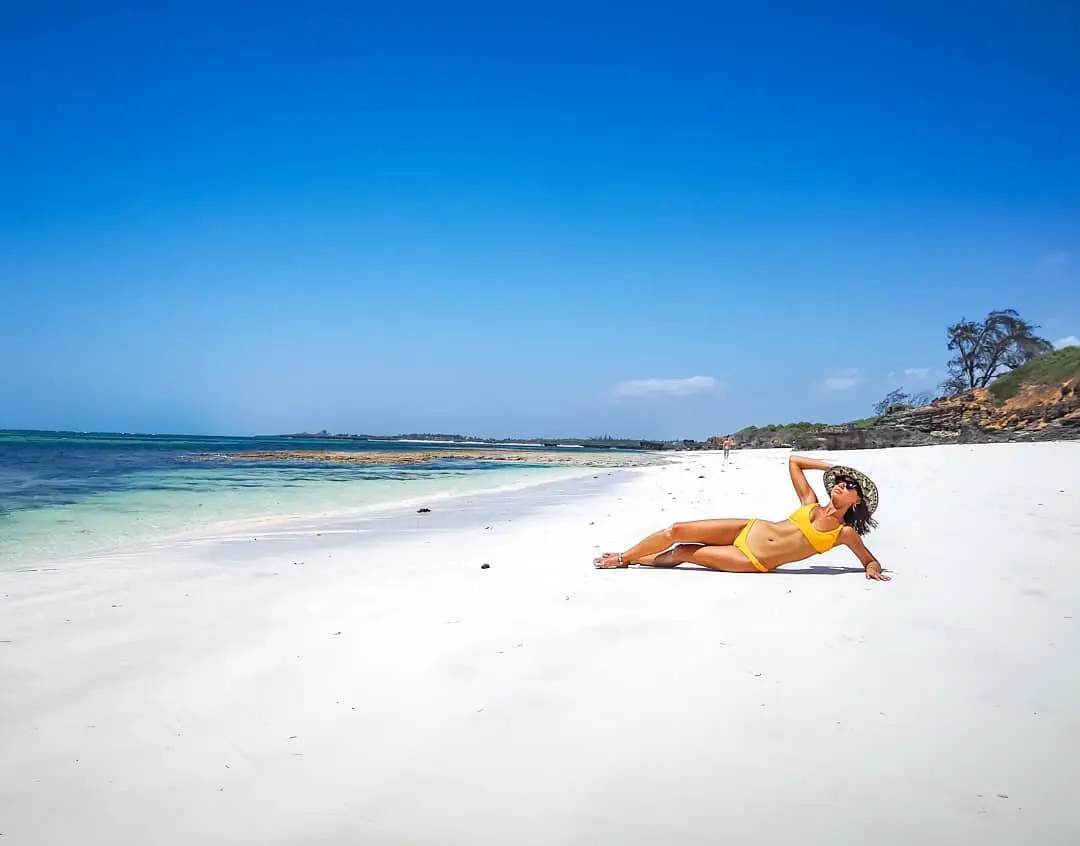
423	510
485	566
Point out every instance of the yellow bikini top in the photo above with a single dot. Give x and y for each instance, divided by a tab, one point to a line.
821	541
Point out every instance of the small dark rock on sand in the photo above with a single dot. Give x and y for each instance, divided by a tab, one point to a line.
423	510
485	566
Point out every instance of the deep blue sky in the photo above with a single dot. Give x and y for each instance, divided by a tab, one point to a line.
521	219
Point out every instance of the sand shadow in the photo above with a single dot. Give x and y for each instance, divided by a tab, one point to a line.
813	570
818	570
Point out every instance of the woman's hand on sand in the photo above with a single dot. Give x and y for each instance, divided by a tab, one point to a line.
873	571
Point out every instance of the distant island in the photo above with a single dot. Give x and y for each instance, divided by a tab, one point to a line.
444	438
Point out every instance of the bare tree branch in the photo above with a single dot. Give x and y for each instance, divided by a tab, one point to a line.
1002	342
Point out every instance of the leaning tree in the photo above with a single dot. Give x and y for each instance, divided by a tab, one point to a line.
983	351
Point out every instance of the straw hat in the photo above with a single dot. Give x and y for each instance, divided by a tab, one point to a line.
866	486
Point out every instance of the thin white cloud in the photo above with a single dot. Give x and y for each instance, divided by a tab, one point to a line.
1067	341
839	383
917	372
668	387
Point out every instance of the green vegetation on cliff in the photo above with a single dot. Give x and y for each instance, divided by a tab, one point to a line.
1046	370
779	430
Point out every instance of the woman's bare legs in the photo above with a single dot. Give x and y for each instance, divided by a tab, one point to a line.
704	532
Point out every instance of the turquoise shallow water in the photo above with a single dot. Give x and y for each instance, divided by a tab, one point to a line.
65	495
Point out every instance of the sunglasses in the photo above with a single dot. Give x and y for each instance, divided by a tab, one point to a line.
849	485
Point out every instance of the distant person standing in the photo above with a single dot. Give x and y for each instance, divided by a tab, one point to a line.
728	444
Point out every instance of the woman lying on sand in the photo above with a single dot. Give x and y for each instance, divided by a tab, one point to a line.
743	546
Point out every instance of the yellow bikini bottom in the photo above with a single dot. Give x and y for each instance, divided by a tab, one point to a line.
741	545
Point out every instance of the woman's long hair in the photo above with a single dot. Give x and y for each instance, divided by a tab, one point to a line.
858	517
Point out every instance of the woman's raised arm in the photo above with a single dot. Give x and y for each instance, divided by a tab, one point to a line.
796	465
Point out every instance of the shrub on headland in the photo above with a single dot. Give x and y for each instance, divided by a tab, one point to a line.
1051	369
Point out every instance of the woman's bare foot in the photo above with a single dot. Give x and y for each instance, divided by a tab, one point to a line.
610	561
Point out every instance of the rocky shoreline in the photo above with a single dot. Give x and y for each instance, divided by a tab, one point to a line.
1038	414
567	459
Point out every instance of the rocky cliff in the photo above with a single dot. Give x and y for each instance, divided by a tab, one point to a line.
1035	412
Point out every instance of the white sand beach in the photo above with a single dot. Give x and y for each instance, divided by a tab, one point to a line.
326	685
